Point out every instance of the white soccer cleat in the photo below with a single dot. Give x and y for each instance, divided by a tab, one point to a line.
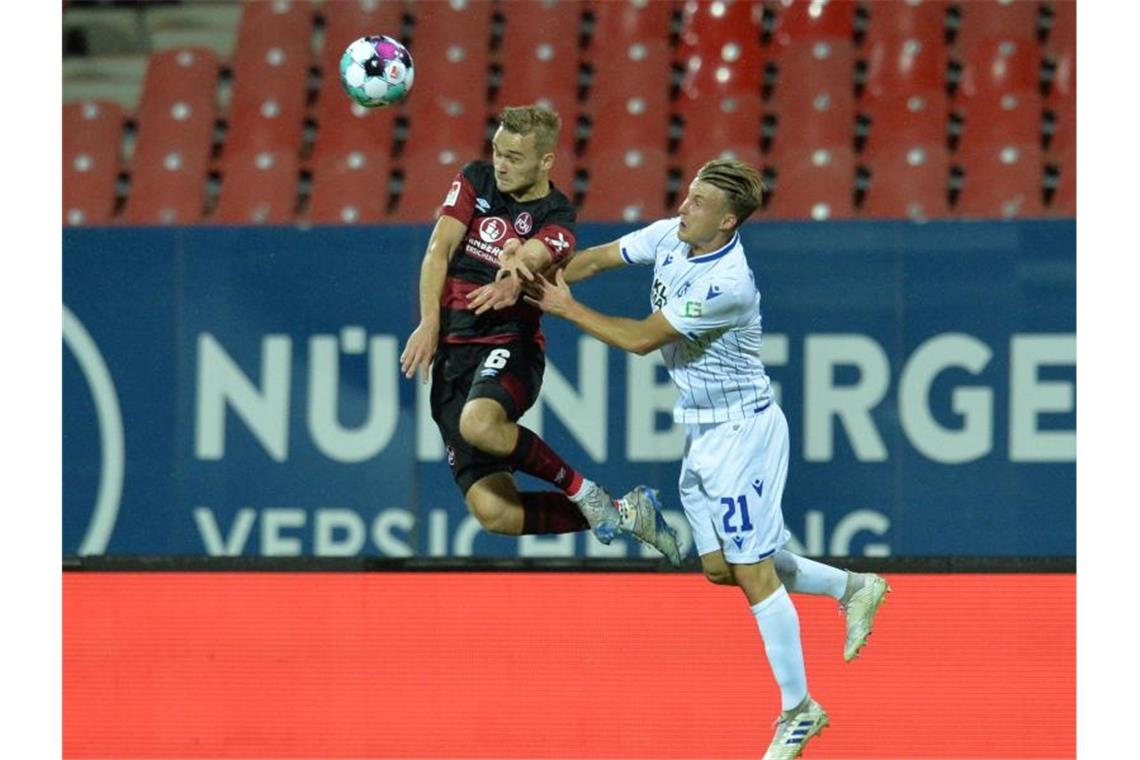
647	523
794	731
860	611
601	513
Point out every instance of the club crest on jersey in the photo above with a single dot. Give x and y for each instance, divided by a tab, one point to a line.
492	229
523	223
557	244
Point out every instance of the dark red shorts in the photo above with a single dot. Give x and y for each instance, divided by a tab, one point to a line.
509	373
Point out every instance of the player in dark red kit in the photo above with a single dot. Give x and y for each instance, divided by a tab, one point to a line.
501	221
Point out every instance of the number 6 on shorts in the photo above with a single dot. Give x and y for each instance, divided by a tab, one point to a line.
497	359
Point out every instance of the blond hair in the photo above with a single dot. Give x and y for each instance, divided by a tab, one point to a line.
540	121
740	182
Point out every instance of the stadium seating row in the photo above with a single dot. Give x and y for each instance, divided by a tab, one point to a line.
892	109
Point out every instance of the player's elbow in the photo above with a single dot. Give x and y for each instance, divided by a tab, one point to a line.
644	344
636	345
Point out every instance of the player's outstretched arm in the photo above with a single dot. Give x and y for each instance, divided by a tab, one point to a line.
517	266
593	261
639	336
420	348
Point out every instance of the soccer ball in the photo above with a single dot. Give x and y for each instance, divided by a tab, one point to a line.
377	71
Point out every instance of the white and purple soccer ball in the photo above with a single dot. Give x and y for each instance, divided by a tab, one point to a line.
377	71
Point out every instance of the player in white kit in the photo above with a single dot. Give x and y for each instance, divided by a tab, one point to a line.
706	322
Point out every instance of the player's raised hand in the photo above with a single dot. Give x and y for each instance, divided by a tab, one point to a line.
419	351
552	297
500	294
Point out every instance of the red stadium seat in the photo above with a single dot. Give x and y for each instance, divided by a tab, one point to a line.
621	23
439	144
809	67
175	139
1007	119
981	20
281	71
258	188
811	20
92	135
458	83
271	124
344	126
451	46
1064	201
436	128
1062	51
625	185
622	121
350	188
909	183
817	184
427	176
539	70
1064	139
894	20
182	127
538	55
720	47
718	122
1064	84
348	20
168	190
1000	65
692	164
445	22
186	76
827	120
267	108
638	68
1003	181
1062	26
265	23
906	121
904	65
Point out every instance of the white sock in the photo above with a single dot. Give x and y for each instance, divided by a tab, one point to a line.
780	627
805	576
584	489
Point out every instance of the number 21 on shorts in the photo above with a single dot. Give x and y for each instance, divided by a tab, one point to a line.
731	509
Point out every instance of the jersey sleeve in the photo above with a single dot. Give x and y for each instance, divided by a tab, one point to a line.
557	233
714	307
640	246
460	201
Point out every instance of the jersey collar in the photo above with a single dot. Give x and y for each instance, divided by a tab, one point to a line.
714	255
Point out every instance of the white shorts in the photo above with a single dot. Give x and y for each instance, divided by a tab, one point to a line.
732	482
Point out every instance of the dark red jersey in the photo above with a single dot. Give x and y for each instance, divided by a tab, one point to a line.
493	218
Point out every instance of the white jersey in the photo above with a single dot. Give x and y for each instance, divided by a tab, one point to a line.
712	300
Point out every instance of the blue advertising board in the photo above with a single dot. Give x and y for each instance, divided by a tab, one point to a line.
236	391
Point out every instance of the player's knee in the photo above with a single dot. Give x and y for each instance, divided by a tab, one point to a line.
721	576
473	426
490	513
480	427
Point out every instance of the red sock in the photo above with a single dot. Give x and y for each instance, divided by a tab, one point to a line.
533	456
550	512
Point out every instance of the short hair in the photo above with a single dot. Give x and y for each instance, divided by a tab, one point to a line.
740	182
540	121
